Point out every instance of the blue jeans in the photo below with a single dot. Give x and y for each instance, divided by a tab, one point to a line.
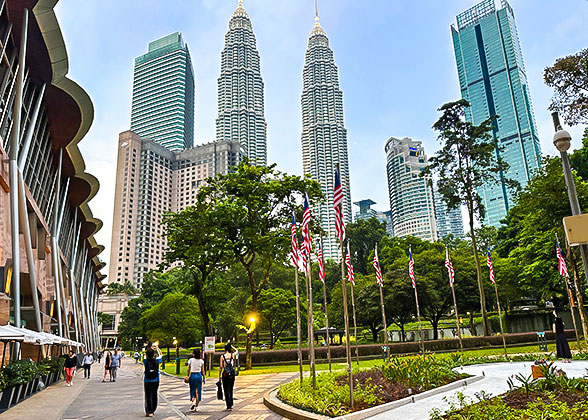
196	385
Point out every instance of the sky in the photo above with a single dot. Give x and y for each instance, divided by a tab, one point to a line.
395	59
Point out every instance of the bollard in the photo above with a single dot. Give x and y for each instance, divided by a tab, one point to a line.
177	365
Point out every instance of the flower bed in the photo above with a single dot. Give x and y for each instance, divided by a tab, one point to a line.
553	397
397	379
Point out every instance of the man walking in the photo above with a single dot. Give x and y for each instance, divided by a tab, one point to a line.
115	363
87	362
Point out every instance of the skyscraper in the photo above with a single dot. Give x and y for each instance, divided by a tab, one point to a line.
493	79
163	94
448	221
240	90
411	197
324	137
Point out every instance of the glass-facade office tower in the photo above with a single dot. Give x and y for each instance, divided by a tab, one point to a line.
493	79
411	197
163	94
240	90
324	137
448	221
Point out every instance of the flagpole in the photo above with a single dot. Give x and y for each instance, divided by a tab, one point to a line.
354	325
500	319
451	281
298	321
346	315
416	298
384	321
310	316
326	309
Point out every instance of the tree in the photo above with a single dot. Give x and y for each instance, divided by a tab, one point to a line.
579	158
174	316
194	239
253	207
277	308
104	319
468	159
569	77
363	236
126	288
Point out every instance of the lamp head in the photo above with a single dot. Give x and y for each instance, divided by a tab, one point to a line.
562	140
252	320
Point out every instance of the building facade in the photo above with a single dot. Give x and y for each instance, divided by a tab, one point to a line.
113	306
493	79
324	136
150	181
163	94
241	115
366	212
49	267
412	207
449	221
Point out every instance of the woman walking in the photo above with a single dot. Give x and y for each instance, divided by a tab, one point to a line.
107	367
196	378
71	362
151	380
227	373
561	342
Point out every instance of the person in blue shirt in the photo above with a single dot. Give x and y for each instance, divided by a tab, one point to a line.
151	379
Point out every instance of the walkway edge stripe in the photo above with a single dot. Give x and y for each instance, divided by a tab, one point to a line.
173	407
271	401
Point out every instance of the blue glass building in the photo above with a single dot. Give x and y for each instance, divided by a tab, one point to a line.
493	79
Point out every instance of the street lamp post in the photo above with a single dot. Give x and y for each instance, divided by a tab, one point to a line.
177	356
562	140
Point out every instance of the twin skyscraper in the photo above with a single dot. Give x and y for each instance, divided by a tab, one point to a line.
159	169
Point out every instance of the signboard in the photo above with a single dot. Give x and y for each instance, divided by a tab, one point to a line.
209	343
576	229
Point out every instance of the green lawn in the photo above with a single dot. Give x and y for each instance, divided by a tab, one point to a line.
259	370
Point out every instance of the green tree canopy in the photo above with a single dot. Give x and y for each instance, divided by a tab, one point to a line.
363	236
277	308
126	288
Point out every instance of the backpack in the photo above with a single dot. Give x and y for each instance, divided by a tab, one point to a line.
151	369
229	369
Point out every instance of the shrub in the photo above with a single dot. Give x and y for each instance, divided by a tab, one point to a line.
421	372
20	372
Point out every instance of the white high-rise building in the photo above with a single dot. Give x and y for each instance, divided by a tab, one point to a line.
240	90
411	196
324	137
449	221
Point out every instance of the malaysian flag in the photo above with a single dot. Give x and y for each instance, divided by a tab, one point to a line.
338	204
563	269
449	267
377	267
306	241
491	267
302	255
320	261
411	268
295	252
350	275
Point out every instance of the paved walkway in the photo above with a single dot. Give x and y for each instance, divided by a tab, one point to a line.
123	399
493	383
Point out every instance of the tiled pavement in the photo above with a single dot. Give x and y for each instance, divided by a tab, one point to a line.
249	391
122	400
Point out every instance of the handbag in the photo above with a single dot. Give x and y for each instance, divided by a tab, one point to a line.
186	379
219	390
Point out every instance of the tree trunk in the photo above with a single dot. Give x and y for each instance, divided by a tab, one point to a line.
435	324
479	272
374	331
202	304
579	297
402	333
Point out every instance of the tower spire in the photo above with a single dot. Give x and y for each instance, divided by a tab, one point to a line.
316	14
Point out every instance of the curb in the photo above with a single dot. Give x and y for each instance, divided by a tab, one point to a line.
271	401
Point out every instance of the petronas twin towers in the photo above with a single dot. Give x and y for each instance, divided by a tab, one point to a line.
324	137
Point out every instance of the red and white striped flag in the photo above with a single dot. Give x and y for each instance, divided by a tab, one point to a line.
411	268
320	261
563	269
449	267
295	251
306	241
491	267
338	204
350	275
379	279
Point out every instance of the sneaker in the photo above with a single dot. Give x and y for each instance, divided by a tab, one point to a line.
196	408
193	407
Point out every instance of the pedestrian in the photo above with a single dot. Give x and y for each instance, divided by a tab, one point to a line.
226	373
87	363
151	379
107	367
115	364
99	356
70	365
136	356
196	377
561	342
